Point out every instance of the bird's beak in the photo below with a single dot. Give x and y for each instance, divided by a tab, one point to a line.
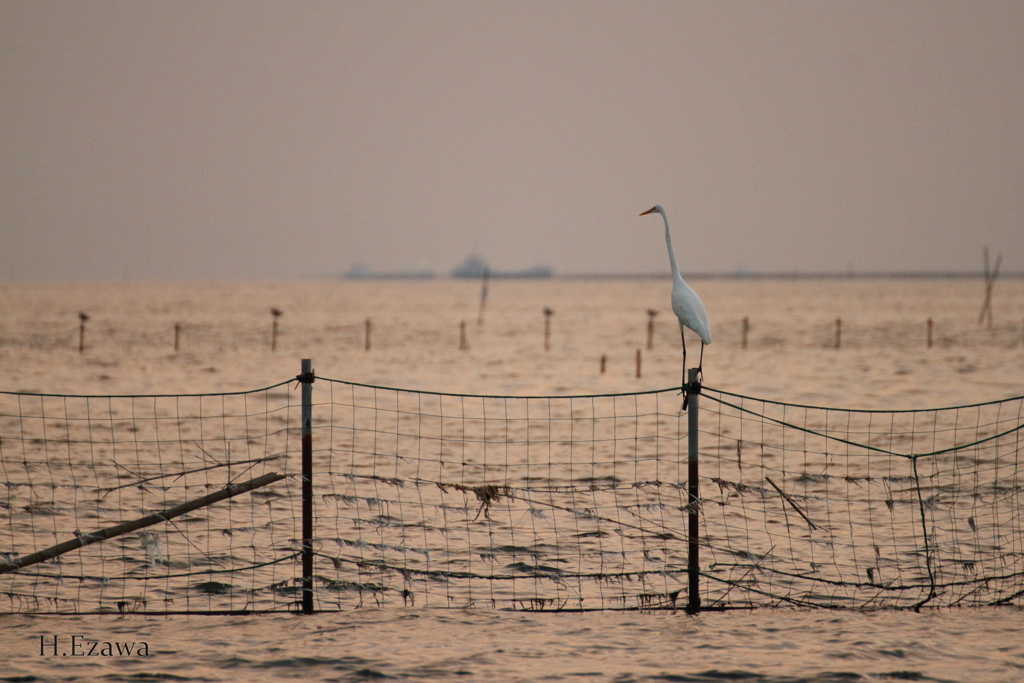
650	210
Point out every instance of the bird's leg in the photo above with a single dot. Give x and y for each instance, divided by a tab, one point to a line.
683	336
686	394
700	363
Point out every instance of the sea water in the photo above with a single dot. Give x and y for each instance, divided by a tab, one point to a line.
855	343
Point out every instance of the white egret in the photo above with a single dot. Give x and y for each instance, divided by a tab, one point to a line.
685	303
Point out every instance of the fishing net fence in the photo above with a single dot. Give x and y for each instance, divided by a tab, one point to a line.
342	495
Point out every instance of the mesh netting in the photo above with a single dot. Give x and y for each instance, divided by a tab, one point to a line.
555	503
74	465
840	508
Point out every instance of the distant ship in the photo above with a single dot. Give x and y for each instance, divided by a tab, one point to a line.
360	271
475	267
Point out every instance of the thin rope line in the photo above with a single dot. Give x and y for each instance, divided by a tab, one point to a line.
217	393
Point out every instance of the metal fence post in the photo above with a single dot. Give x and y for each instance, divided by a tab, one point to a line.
306	378
693	503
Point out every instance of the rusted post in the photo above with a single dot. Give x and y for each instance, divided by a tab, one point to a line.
307	378
693	499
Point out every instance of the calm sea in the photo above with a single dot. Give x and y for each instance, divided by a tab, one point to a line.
793	326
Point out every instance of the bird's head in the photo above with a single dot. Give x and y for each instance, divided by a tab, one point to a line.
657	208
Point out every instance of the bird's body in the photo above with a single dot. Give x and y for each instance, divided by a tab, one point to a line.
687	306
690	309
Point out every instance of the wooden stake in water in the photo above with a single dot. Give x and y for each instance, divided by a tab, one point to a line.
638	363
463	344
82	317
746	329
604	361
547	328
650	328
839	331
368	326
273	328
990	283
929	333
177	335
483	296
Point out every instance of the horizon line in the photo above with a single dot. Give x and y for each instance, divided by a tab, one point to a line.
399	275
739	275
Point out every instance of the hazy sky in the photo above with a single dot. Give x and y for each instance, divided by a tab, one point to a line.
261	140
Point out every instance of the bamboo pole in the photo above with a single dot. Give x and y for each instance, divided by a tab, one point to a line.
82	540
746	329
638	363
650	328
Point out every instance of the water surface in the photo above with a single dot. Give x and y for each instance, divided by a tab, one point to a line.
225	345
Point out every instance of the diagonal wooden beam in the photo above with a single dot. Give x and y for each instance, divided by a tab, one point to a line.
82	540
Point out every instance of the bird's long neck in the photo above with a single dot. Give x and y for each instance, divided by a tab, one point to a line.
671	252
